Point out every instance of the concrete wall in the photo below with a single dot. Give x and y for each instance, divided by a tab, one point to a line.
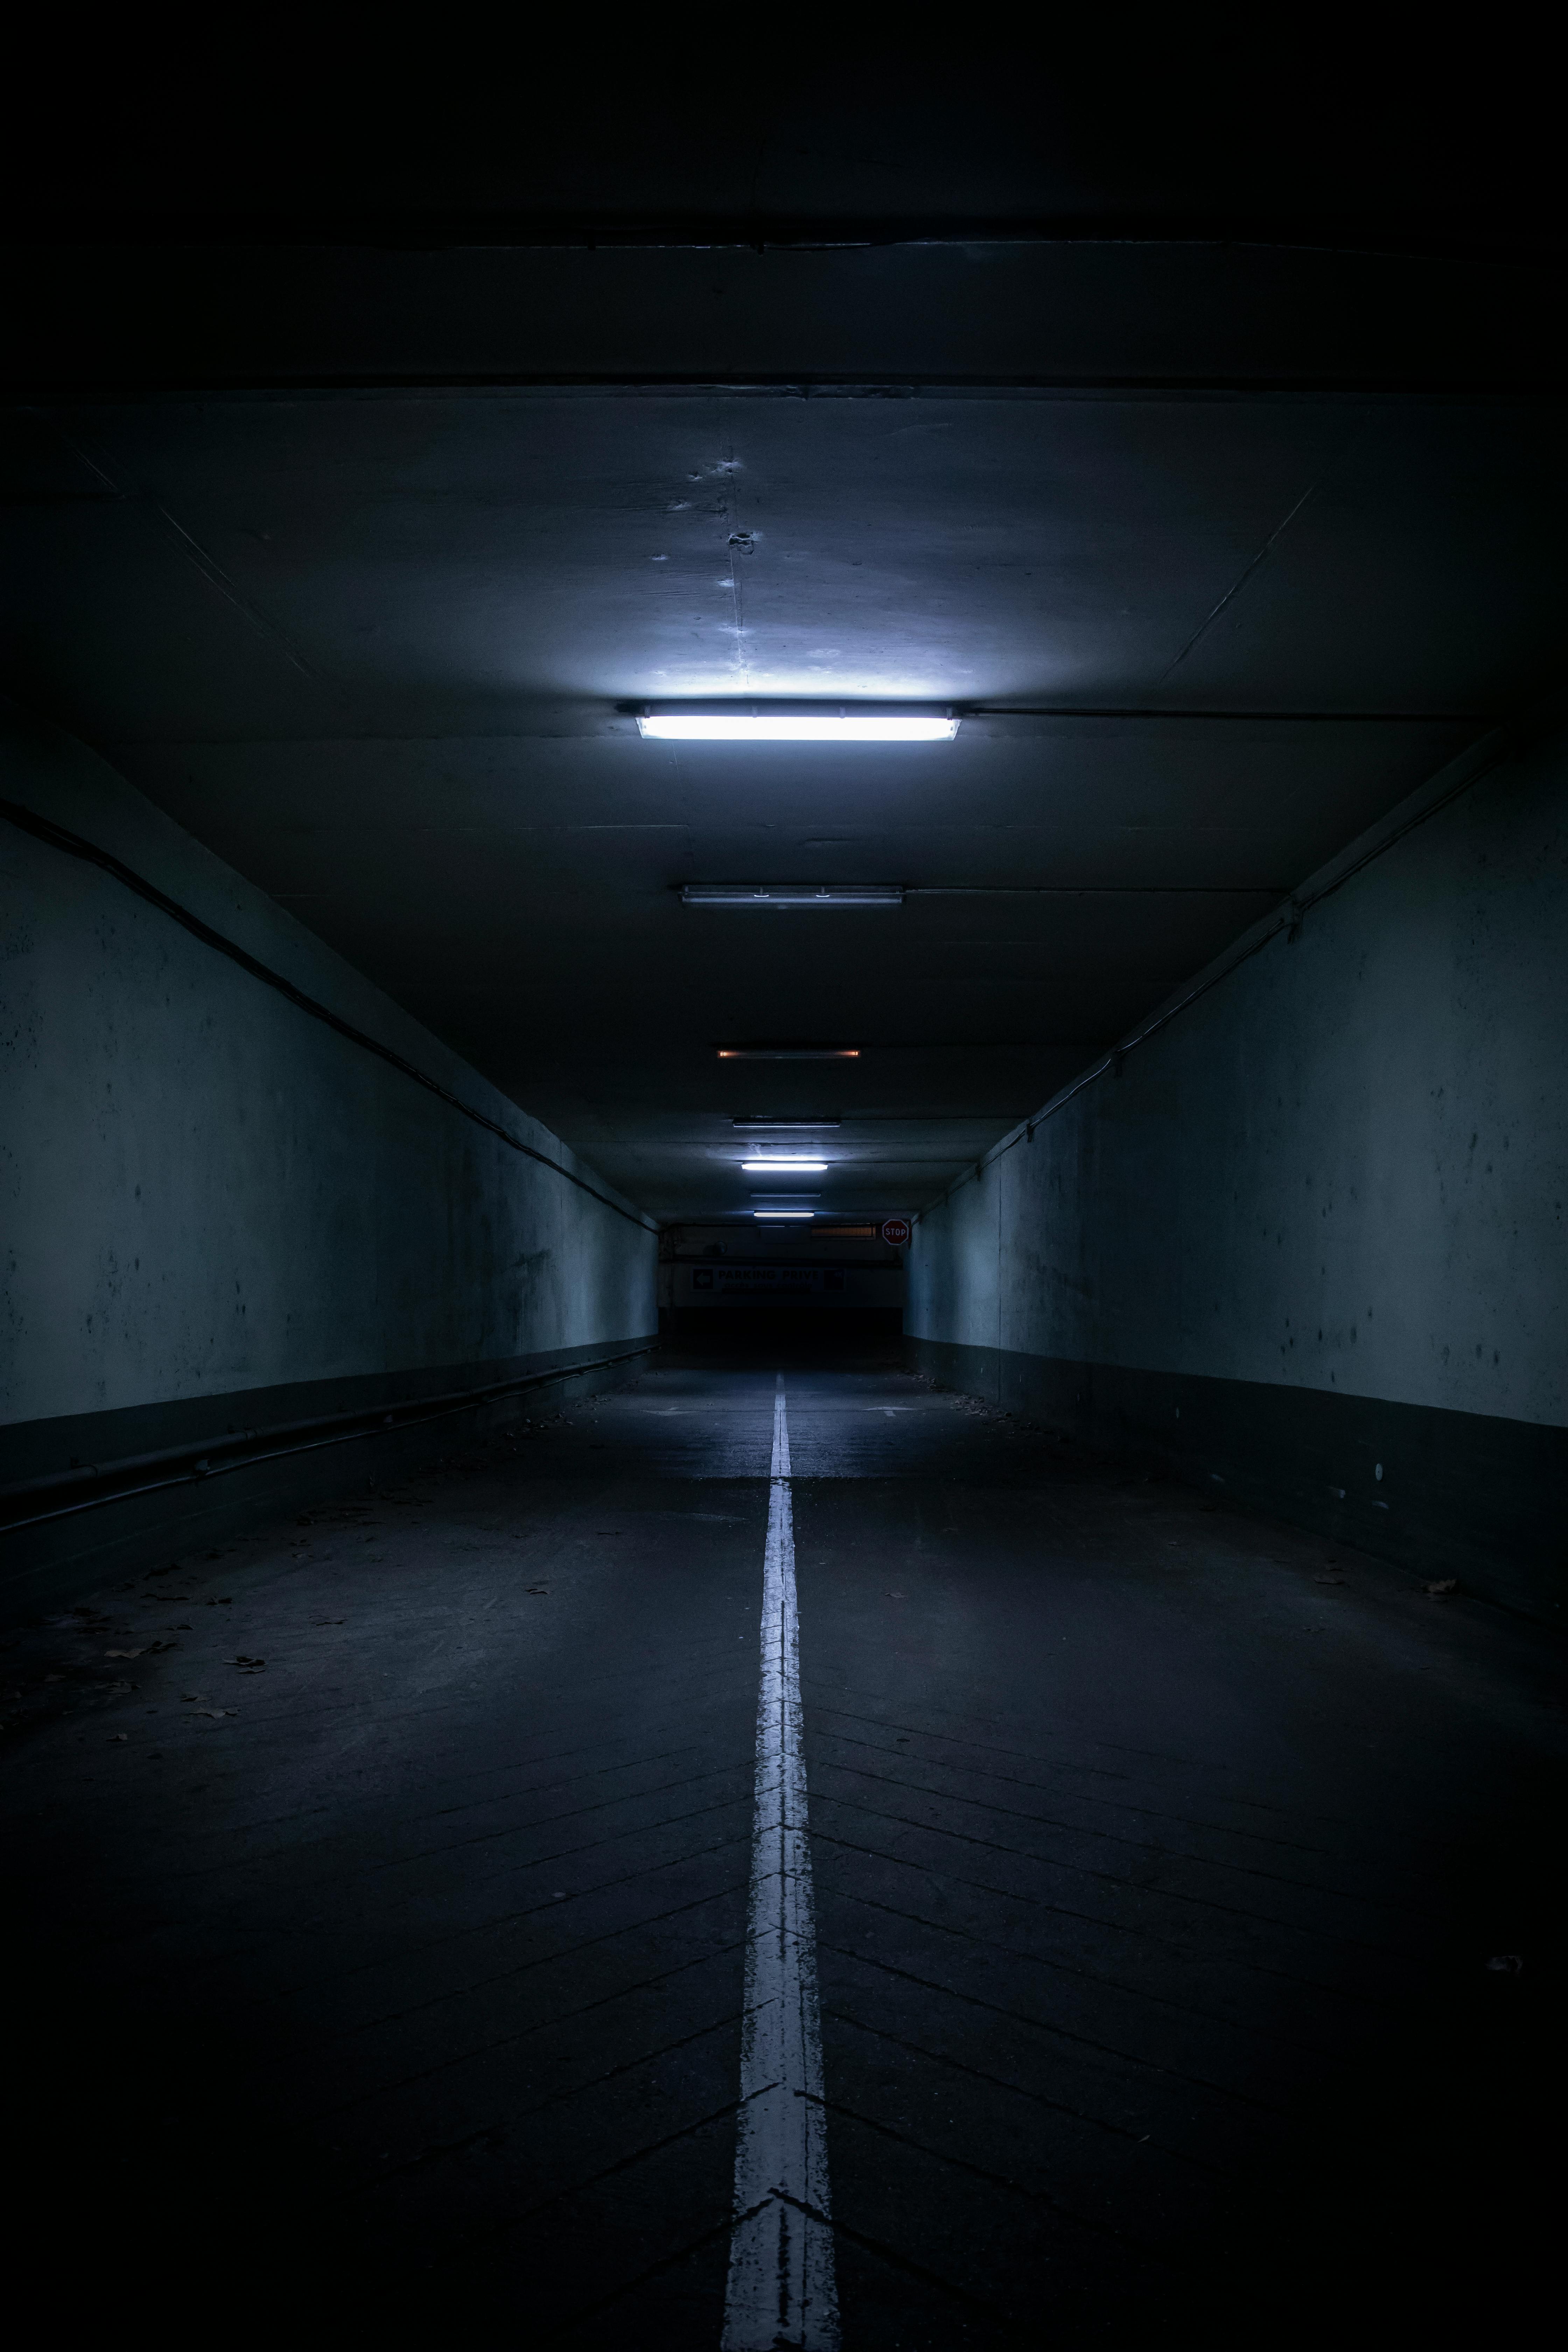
220	1213
1307	1244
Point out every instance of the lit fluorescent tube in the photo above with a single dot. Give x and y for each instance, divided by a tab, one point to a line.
781	1216
792	894
787	1167
753	726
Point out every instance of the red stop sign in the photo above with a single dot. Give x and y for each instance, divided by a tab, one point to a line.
896	1231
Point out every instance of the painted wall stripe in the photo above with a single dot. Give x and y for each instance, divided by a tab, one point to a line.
781	2290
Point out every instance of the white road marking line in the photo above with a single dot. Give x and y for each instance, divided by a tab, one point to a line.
781	2290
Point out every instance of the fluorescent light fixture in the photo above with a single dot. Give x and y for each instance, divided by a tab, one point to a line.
756	723
762	1127
789	1053
784	1166
781	1216
784	895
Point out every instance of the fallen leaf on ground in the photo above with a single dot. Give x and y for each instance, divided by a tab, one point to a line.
1507	1964
193	1694
250	1665
123	1654
898	1596
1330	1576
1445	1585
543	1590
217	1713
116	1736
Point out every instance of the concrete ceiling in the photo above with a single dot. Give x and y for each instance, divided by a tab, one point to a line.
349	551
1295	127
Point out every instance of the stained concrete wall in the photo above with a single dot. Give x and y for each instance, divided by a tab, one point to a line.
1307	1243
218	1210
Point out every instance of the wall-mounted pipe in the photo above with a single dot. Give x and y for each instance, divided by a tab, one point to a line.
74	845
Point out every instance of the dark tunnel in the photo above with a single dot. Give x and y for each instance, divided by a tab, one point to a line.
784	849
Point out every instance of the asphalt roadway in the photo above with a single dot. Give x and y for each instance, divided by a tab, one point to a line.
1187	1903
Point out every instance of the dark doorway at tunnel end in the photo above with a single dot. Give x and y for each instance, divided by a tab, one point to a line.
786	1333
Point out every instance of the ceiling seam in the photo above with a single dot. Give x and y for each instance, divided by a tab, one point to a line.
397	383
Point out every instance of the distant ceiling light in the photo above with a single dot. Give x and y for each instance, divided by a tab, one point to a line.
792	894
789	1053
756	723
781	1216
802	1166
784	1125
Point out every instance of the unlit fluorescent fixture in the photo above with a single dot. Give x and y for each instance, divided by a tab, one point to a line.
784	1166
789	1053
782	895
753	723
765	1126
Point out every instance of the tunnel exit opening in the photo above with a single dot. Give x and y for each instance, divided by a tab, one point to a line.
821	1294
